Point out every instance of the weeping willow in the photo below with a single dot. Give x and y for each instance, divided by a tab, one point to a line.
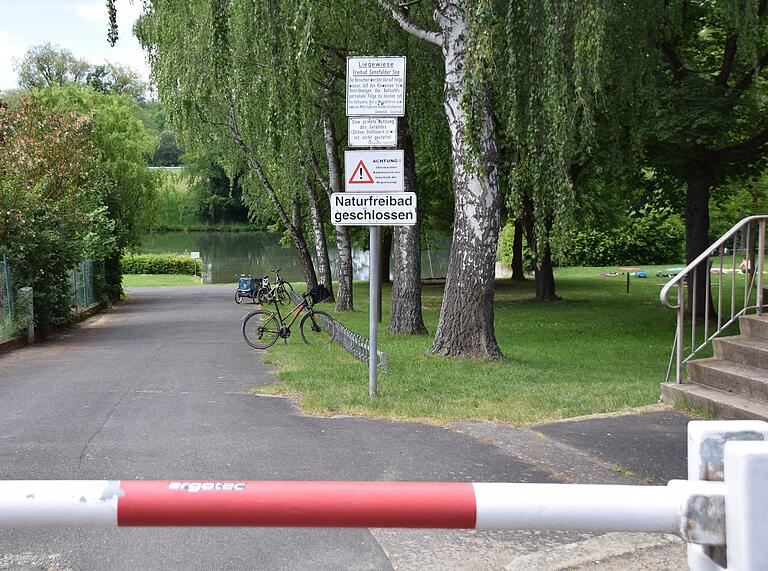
560	73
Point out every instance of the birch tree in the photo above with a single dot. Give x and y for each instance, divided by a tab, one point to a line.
221	70
466	315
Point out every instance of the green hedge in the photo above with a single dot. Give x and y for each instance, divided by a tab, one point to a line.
650	236
160	264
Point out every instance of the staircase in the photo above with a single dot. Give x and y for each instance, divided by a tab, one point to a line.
732	385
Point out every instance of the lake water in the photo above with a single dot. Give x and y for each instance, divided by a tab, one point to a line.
226	254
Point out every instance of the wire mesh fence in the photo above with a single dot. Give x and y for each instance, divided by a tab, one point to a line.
82	282
7	321
355	344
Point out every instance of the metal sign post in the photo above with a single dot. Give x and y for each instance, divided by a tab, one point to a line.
373	325
375	97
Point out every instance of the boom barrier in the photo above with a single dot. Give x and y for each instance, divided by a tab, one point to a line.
721	511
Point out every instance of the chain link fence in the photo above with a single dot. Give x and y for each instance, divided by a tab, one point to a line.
82	281
354	343
7	321
16	307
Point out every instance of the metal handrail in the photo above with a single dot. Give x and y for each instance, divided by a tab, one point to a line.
739	235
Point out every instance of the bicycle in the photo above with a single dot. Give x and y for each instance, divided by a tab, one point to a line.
279	291
262	328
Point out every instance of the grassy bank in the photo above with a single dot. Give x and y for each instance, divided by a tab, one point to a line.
598	350
150	280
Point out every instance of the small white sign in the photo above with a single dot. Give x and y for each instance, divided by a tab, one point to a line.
376	86
194	255
374	171
372	132
373	209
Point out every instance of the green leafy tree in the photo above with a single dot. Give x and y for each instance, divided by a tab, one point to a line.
246	99
168	153
114	78
46	65
124	147
711	112
51	190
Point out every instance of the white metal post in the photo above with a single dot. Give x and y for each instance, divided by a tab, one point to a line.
706	461
746	476
680	326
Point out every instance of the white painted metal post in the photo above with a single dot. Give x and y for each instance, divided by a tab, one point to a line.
706	461
373	297
680	326
746	475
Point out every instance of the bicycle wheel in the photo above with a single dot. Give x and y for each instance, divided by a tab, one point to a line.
255	297
282	295
238	297
261	329
317	328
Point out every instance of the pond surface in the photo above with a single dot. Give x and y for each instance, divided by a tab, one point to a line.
227	254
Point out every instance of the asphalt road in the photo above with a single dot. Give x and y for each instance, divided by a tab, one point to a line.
156	389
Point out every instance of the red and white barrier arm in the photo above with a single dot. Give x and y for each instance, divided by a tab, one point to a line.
133	503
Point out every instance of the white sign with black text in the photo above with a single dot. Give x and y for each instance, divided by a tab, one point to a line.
376	86
374	171
372	132
373	209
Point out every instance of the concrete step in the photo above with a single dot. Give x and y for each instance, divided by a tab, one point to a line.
731	377
751	351
723	405
754	326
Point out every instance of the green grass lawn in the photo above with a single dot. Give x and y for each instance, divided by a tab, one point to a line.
598	350
147	280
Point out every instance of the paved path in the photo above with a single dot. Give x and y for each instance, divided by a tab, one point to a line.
156	389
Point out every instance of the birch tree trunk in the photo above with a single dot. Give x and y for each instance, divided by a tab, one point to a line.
306	260
343	241
318	230
466	316
296	234
405	315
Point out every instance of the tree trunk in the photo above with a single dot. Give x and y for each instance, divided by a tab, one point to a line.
518	270
297	234
405	316
386	253
466	317
545	277
305	259
343	242
699	178
321	245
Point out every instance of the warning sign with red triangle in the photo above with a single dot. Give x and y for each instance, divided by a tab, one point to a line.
374	171
361	175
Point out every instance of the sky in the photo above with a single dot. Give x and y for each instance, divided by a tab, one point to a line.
77	25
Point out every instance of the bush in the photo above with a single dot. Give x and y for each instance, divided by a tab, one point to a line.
505	252
160	264
650	236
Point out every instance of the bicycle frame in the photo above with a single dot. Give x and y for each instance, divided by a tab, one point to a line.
293	314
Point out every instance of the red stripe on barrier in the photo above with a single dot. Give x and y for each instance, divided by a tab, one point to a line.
296	504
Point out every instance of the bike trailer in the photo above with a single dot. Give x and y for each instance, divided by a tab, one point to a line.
245	283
